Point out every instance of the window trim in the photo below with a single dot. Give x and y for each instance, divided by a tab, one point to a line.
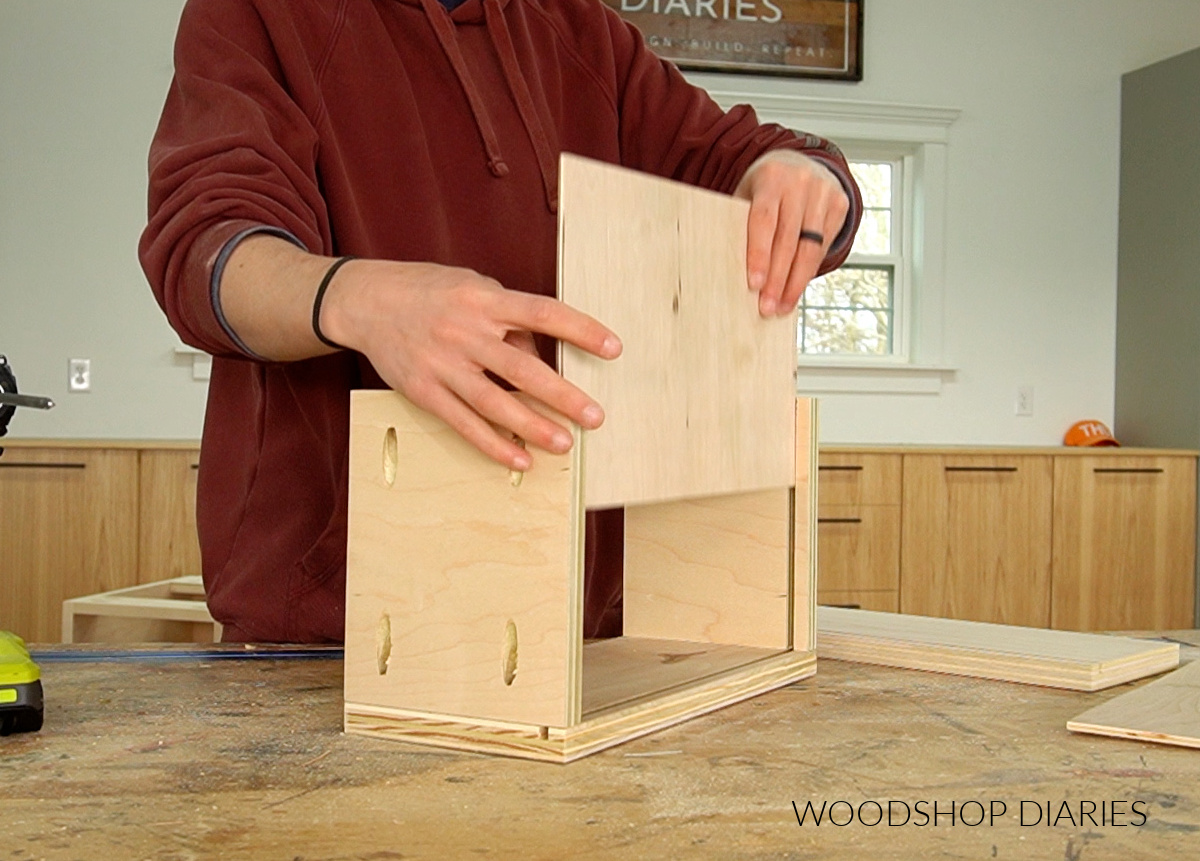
922	133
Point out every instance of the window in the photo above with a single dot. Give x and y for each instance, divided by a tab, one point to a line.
888	303
858	309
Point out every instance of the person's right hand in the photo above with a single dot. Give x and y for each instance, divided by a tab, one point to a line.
433	332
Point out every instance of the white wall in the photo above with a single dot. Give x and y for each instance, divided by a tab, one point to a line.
81	86
1030	246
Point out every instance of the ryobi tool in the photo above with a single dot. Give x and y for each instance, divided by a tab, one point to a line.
20	687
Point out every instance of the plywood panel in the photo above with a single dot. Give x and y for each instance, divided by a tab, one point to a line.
710	570
443	557
1124	542
976	538
1166	711
168	545
701	400
1061	659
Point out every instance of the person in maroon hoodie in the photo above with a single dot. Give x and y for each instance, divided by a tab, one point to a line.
421	140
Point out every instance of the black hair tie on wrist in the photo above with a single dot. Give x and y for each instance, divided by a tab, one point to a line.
320	297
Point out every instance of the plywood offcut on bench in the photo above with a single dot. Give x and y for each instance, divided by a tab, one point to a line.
1166	711
1037	656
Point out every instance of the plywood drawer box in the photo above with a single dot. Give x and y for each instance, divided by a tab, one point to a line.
465	580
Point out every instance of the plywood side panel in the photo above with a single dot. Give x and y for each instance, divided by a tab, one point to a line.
804	535
710	570
700	401
448	561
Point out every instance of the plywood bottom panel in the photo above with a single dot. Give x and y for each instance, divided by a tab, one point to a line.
1166	711
607	726
1036	656
631	669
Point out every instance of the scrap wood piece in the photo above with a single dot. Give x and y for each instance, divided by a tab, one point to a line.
1035	656
1166	711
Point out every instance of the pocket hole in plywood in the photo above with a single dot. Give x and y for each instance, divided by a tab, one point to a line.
508	662
515	475
391	454
383	643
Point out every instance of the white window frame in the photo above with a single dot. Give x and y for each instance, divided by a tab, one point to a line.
919	137
899	258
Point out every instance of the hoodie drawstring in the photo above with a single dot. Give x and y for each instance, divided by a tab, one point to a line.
502	39
497	29
444	29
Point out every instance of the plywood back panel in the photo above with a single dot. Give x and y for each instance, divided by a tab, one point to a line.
701	400
710	570
459	573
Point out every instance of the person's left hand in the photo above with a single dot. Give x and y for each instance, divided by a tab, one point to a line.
797	209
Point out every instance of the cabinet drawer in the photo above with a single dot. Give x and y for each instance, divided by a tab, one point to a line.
1124	542
858	547
859	479
884	602
977	537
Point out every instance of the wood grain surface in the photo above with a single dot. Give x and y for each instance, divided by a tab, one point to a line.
245	760
1166	710
1036	656
701	400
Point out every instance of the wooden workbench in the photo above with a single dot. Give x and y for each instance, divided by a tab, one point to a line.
233	759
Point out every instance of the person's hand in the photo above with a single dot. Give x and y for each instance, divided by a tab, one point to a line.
433	332
797	208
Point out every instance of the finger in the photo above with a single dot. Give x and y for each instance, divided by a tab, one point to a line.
810	251
537	379
468	424
554	318
501	408
760	236
785	247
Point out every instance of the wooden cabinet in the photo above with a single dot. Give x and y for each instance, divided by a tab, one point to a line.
858	530
1124	543
80	518
1077	539
976	538
70	525
167	542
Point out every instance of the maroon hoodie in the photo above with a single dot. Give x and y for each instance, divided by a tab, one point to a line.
388	129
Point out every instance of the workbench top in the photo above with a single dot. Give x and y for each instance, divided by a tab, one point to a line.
236	758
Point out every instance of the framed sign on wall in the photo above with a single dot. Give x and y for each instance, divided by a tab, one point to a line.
802	38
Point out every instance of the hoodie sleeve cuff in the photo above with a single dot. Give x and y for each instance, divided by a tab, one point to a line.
218	270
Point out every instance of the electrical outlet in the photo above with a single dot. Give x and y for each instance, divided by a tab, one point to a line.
79	375
1024	405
